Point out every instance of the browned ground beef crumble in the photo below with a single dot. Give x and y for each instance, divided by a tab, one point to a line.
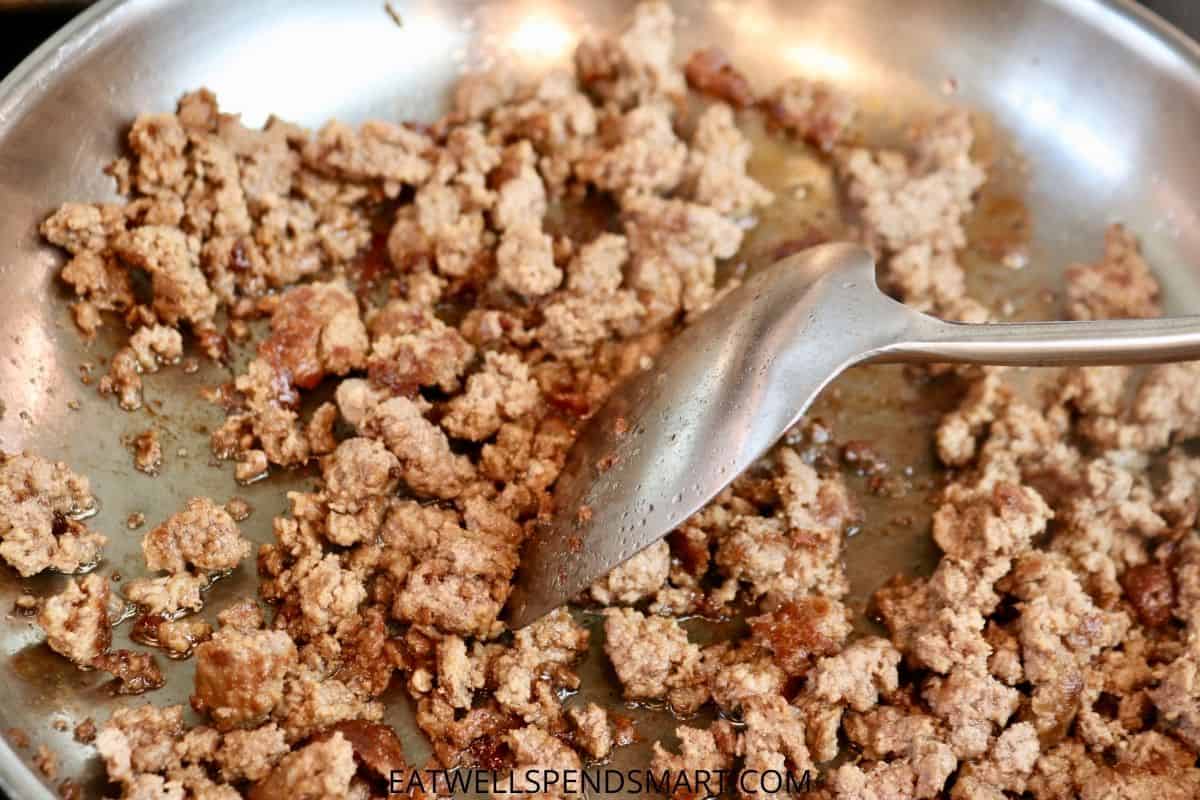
1052	653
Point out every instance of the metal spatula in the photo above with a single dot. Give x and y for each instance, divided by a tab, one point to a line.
732	383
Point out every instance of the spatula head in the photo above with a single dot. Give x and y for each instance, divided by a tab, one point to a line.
719	395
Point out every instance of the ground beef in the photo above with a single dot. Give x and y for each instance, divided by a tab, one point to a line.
382	151
147	452
810	110
637	65
140	739
715	173
449	572
244	615
639	577
674	246
410	348
312	702
700	751
735	675
912	207
133	672
180	291
592	730
539	759
521	199
857	675
168	594
329	597
321	769
97	278
39	503
154	345
446	304
85	731
202	537
525	262
798	551
801	631
773	740
179	637
439	227
250	754
427	464
638	153
76	621
316	331
358	470
1162	412
574	325
1119	285
652	656
548	647
240	675
1007	766
501	391
708	70
124	380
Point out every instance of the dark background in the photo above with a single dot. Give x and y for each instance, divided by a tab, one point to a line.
22	29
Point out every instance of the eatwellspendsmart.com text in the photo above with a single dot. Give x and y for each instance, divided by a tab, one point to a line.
695	783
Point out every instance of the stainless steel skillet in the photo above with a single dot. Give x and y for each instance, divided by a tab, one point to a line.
1098	100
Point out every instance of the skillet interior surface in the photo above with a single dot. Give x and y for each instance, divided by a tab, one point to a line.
1086	113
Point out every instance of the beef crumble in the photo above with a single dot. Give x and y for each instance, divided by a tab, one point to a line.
40	506
76	621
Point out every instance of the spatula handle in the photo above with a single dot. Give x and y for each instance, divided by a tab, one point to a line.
1091	343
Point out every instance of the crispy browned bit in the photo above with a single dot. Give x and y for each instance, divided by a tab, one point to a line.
134	672
17	737
1151	592
584	514
489	752
810	110
239	508
708	71
135	520
376	746
801	631
147	452
145	629
85	731
863	458
624	730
